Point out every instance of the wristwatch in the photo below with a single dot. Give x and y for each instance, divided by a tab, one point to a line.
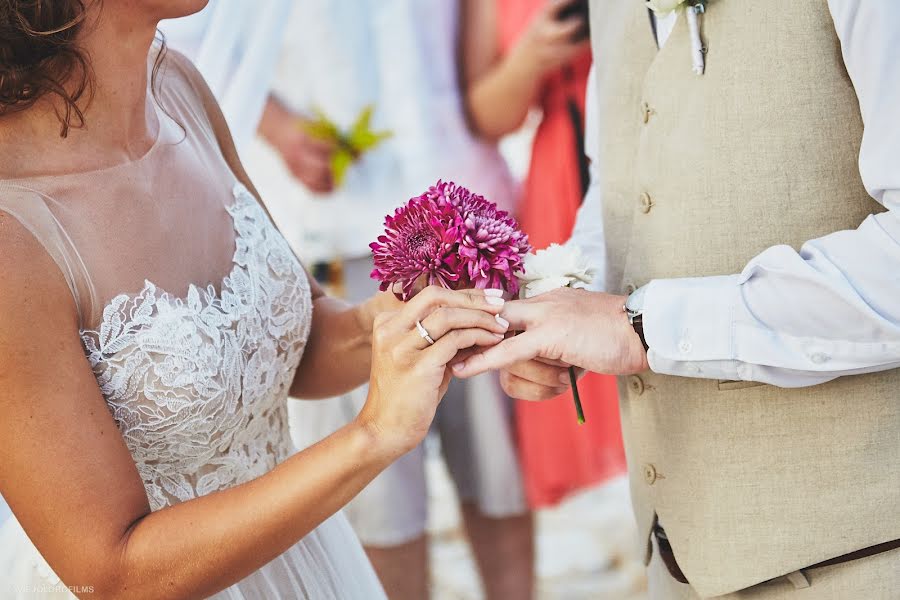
634	308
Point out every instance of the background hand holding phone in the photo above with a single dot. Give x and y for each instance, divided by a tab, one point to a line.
558	32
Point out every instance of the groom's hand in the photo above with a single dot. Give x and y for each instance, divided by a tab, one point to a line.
538	379
576	327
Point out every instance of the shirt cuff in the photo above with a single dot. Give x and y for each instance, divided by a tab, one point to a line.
689	325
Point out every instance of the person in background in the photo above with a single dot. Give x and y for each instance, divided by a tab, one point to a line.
523	54
400	57
235	47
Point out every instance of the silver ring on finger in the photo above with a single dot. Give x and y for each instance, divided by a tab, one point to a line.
424	333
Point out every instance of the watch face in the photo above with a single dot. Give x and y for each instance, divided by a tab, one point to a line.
635	302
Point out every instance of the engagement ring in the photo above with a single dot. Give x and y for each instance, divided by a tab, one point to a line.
424	333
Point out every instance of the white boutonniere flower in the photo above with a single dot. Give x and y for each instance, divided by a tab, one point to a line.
664	7
555	267
693	9
550	269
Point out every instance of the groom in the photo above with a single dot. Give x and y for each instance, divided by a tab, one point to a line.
760	401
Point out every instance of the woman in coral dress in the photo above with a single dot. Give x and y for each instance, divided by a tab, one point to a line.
527	54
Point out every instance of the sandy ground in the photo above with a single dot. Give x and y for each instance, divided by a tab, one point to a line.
586	547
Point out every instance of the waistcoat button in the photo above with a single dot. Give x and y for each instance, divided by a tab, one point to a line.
636	385
650	475
646	202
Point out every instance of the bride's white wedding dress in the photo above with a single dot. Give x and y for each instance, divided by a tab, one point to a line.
198	382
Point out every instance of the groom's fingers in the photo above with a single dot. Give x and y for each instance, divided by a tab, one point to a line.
520	348
539	372
522	389
521	313
555	363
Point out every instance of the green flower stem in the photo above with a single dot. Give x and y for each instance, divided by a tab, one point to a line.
578	409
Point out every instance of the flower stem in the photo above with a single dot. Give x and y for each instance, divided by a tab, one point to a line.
578	409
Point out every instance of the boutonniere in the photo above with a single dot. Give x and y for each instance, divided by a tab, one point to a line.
692	9
552	268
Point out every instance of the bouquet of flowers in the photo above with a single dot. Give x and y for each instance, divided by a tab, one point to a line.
450	237
349	145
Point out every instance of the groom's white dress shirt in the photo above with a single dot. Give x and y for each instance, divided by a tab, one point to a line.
792	318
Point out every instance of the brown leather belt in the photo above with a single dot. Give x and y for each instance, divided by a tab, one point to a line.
668	557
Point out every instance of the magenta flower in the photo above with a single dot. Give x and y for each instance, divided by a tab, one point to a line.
418	247
492	246
451	237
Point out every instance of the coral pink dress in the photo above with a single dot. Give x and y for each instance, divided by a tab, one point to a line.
558	455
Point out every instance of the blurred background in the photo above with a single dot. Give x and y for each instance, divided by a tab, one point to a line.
342	111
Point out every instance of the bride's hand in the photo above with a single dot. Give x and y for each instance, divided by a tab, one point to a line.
409	375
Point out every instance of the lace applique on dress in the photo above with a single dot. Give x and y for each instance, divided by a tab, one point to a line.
198	386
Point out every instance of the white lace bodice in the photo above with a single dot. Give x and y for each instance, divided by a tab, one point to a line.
198	386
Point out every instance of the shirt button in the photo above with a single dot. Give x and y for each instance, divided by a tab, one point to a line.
646	202
650	475
685	347
636	385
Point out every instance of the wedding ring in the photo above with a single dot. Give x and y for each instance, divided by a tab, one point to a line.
424	333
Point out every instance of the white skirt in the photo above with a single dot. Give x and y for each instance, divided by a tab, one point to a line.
328	564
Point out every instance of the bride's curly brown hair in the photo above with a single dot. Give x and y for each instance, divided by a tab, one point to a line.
39	56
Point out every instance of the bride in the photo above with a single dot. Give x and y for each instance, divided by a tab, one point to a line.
153	322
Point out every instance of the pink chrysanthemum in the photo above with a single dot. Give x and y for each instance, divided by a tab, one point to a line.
419	245
450	237
492	246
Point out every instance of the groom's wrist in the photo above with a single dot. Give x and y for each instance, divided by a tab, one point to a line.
621	352
637	323
633	348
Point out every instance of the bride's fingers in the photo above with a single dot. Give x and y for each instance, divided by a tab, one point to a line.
446	348
434	297
446	319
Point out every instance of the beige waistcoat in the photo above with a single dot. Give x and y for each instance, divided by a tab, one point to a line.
700	174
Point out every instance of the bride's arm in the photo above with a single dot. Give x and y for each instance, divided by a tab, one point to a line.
341	333
71	482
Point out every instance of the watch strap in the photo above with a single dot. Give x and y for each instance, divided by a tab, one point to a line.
638	323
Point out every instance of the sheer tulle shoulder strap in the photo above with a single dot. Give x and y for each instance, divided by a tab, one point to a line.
31	210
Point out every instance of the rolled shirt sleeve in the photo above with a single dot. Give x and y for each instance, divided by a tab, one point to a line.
796	319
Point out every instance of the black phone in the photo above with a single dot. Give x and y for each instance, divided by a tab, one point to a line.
576	9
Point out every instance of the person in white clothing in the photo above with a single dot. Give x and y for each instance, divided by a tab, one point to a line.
235	46
399	57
